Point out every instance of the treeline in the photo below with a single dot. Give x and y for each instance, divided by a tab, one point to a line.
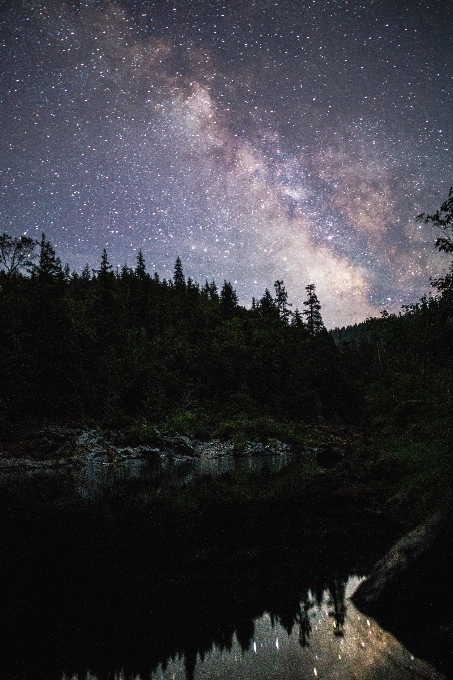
113	347
105	345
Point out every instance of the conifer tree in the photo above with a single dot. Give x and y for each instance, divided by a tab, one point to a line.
86	274
179	280
105	270
210	290
49	265
193	287
266	306
228	300
281	301
296	319
125	271
140	269
312	312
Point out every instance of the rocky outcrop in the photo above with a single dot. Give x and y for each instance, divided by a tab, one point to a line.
57	446
410	590
215	448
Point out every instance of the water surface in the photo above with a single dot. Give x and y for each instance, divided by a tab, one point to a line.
101	586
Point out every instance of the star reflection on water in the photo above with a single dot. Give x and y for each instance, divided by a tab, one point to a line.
109	586
332	640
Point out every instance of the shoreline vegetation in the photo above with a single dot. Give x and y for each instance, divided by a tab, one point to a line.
124	365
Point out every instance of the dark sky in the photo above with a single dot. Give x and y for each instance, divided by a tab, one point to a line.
292	140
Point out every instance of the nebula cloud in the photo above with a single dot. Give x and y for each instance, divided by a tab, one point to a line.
260	142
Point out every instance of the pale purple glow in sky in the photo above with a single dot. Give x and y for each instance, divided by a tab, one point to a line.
258	141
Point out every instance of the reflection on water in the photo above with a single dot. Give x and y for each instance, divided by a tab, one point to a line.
311	648
363	651
164	472
105	588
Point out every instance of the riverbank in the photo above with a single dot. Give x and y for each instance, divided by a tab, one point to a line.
399	474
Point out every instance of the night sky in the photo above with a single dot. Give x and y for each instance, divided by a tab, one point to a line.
292	140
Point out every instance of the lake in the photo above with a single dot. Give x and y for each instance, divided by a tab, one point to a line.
99	583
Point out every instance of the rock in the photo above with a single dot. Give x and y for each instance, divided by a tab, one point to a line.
403	559
409	591
137	453
178	444
276	448
254	449
214	449
93	447
43	444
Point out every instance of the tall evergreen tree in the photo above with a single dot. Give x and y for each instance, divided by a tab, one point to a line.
49	265
228	300
210	290
105	270
266	306
296	319
281	301
125	271
86	274
179	280
140	269
312	312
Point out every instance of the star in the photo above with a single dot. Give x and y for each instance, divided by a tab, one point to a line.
260	141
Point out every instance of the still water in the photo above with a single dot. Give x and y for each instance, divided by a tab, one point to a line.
99	587
317	647
164	472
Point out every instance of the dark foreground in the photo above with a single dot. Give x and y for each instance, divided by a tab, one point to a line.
129	580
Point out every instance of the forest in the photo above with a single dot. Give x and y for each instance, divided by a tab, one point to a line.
125	348
146	360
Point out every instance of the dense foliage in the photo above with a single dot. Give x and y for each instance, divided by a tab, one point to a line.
127	347
107	346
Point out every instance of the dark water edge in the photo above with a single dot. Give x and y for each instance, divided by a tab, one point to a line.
112	584
410	590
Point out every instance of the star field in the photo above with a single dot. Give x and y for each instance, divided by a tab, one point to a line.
292	140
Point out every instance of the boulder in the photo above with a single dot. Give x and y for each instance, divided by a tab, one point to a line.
178	444
93	447
148	453
409	591
214	449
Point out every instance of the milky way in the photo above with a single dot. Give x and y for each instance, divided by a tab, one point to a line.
256	140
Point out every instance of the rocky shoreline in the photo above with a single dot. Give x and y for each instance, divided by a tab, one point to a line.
60	446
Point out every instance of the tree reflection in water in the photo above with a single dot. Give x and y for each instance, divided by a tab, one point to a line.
364	651
110	590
